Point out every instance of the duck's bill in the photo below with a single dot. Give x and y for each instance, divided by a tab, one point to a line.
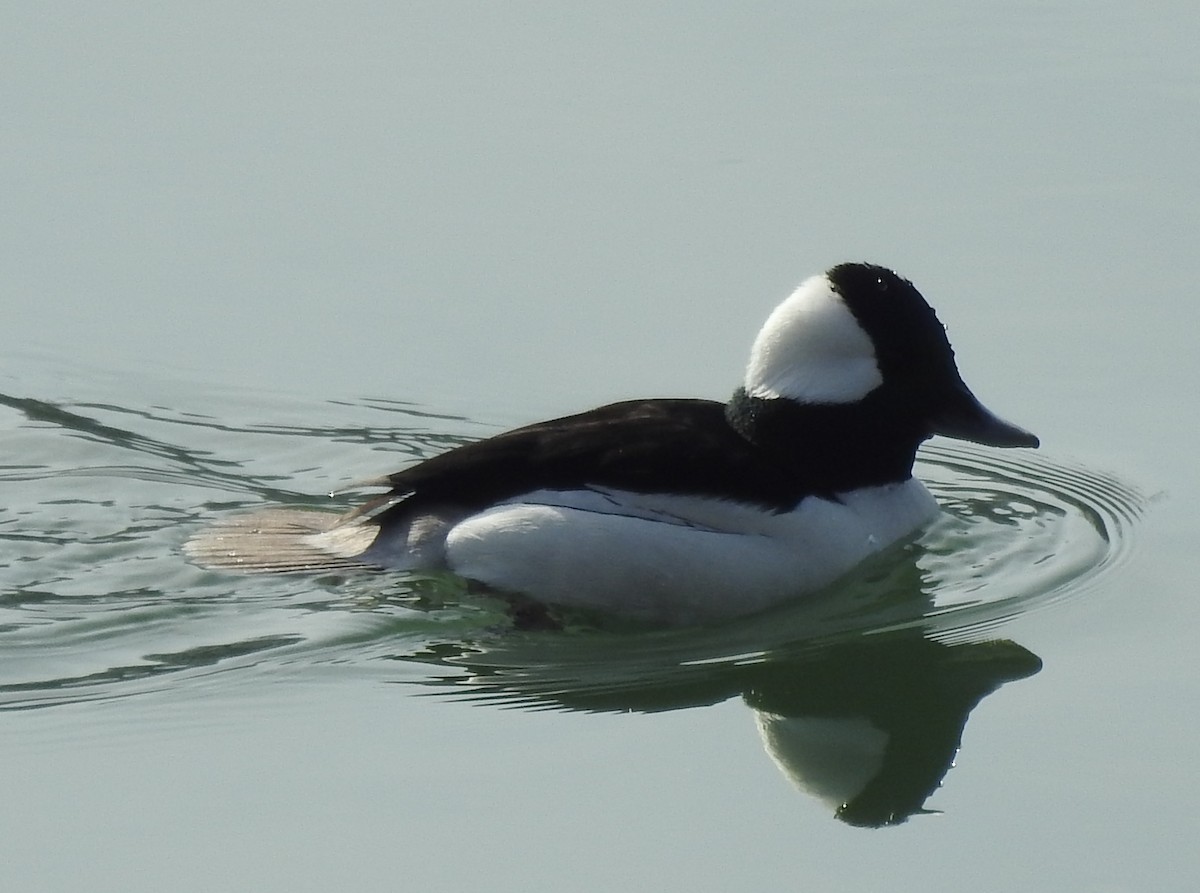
963	417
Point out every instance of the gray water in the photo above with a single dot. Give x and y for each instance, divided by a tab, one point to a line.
254	255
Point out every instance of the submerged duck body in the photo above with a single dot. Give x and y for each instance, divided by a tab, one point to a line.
677	510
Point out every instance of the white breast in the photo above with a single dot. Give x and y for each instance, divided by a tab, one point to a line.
677	559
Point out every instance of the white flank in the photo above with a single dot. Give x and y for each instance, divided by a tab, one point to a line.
677	559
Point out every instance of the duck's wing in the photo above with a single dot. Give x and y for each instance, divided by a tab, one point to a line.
649	446
654	446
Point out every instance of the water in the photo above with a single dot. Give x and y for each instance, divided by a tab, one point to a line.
252	256
99	605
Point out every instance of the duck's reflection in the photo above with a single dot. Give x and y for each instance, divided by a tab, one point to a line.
871	729
858	694
869	726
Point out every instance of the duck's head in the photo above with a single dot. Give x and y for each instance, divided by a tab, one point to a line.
860	331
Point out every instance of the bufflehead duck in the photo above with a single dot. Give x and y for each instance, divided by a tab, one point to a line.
677	510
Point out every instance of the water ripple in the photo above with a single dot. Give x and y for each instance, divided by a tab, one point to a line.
96	600
1018	533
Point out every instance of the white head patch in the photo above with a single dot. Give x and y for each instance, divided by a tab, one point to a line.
813	350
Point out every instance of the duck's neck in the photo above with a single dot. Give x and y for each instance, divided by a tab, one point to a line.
838	446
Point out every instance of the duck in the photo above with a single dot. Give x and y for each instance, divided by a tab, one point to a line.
676	511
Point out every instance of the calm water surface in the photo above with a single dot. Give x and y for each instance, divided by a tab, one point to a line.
255	255
859	695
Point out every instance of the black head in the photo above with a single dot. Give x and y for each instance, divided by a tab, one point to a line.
914	357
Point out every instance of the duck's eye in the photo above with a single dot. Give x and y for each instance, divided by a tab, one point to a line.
880	284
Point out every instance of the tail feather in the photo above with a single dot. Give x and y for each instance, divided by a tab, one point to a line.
280	540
